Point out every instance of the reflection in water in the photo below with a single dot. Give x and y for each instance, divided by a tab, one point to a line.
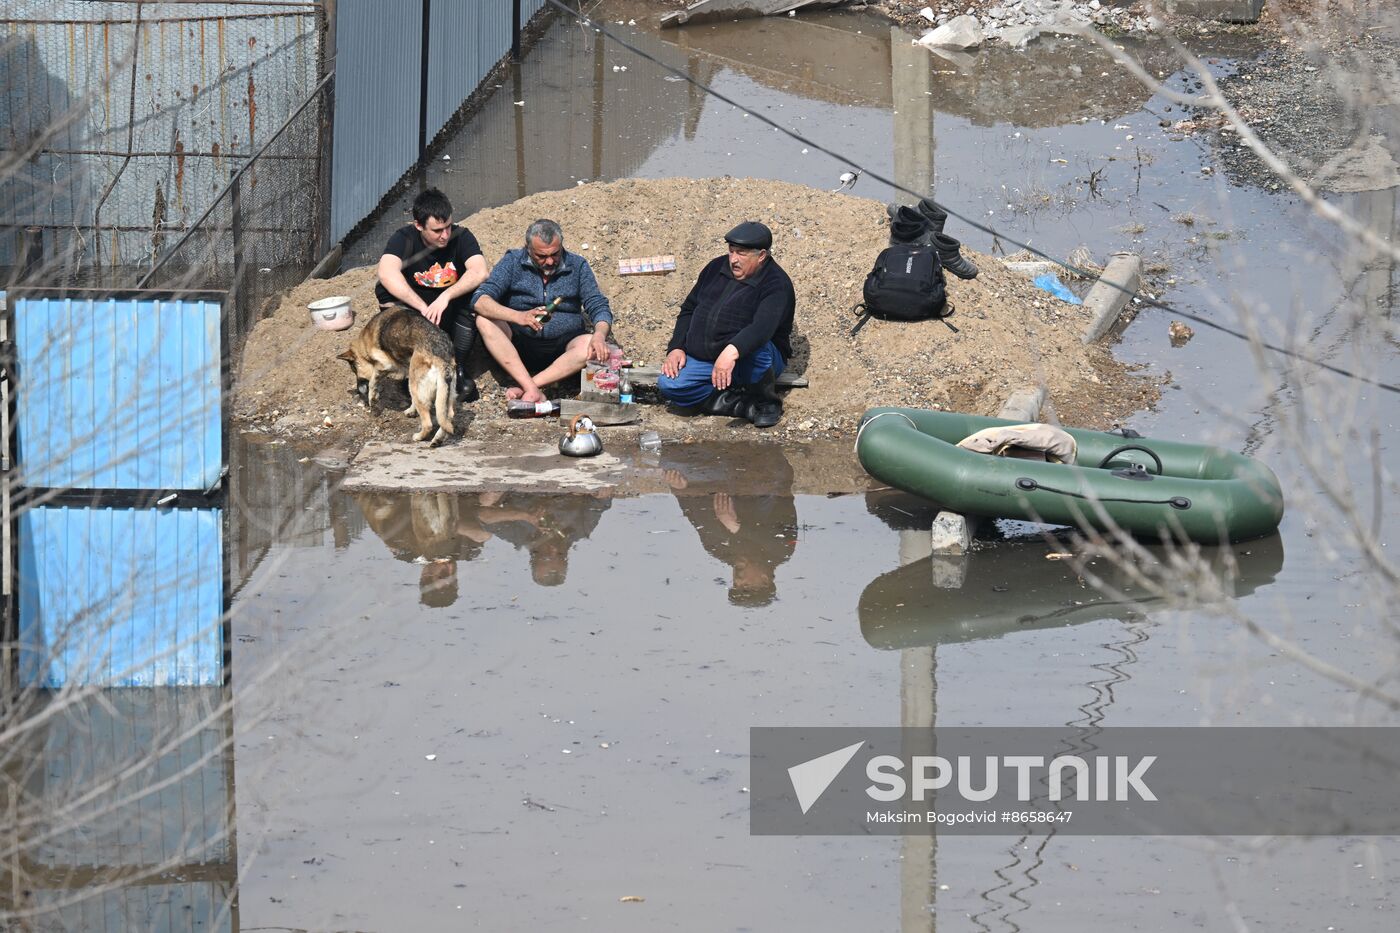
753	534
1014	587
859	60
1010	587
119	811
437	530
277	499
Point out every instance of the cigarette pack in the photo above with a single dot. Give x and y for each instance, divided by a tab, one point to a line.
646	265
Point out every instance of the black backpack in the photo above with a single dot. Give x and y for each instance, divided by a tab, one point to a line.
906	284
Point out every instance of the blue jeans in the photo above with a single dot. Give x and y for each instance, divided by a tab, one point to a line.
692	384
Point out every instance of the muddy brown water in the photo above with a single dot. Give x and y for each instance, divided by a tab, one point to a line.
510	712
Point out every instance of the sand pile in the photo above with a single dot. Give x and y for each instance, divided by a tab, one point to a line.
1011	334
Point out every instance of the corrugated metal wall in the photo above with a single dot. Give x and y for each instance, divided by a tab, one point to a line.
581	120
212	80
120	597
376	115
118	393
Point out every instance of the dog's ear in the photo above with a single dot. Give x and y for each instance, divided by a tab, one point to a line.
348	356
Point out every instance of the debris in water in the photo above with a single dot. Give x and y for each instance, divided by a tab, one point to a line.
631	899
430	757
1059	555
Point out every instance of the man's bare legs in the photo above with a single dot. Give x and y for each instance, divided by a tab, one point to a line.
497	337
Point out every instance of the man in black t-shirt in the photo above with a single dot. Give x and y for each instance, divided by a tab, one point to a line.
432	267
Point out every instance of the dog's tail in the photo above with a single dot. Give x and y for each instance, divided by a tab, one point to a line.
442	402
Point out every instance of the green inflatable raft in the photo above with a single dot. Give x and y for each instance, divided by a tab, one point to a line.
1150	488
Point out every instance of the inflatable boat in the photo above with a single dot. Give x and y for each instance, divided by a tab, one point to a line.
1150	488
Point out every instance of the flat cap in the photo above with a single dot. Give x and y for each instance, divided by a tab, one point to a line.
751	234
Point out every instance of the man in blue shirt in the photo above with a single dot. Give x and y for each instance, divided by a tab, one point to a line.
534	340
733	335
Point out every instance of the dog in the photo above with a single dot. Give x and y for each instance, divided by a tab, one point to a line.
399	342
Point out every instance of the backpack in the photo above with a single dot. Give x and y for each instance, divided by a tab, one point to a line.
906	284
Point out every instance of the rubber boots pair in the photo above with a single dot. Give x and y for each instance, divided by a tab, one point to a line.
758	403
924	226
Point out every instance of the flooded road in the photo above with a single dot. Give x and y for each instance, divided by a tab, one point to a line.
511	711
523	710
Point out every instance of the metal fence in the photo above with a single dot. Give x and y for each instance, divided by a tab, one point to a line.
220	145
383	122
259	234
119	122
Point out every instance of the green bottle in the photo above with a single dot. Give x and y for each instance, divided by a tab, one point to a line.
548	310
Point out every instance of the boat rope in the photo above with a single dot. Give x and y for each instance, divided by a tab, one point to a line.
1138	296
1029	485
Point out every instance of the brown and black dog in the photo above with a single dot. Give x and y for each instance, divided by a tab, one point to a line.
401	343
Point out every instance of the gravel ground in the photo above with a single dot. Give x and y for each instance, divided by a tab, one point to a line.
1011	334
1327	108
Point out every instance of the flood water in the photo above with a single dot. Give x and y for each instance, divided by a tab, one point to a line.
510	711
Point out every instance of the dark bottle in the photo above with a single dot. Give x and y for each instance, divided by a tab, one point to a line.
518	408
548	311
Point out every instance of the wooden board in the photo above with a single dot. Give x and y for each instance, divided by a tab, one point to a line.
647	376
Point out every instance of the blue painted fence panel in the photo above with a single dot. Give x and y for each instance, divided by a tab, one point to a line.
120	597
118	393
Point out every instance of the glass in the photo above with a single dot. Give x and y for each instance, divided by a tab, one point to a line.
650	442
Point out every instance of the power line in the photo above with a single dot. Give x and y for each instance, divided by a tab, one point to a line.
1141	298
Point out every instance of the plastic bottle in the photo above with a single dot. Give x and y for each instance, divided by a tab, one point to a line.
519	408
624	389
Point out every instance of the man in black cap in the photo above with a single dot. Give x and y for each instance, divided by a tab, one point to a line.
732	337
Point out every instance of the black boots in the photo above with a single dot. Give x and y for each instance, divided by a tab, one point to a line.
924	225
953	260
763	407
758	404
467	391
724	402
463	332
909	226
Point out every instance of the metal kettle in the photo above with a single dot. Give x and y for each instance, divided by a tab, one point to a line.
582	440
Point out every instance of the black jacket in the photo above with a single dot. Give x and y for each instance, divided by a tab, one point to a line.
721	310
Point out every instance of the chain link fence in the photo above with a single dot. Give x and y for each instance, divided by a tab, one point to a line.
260	233
122	123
